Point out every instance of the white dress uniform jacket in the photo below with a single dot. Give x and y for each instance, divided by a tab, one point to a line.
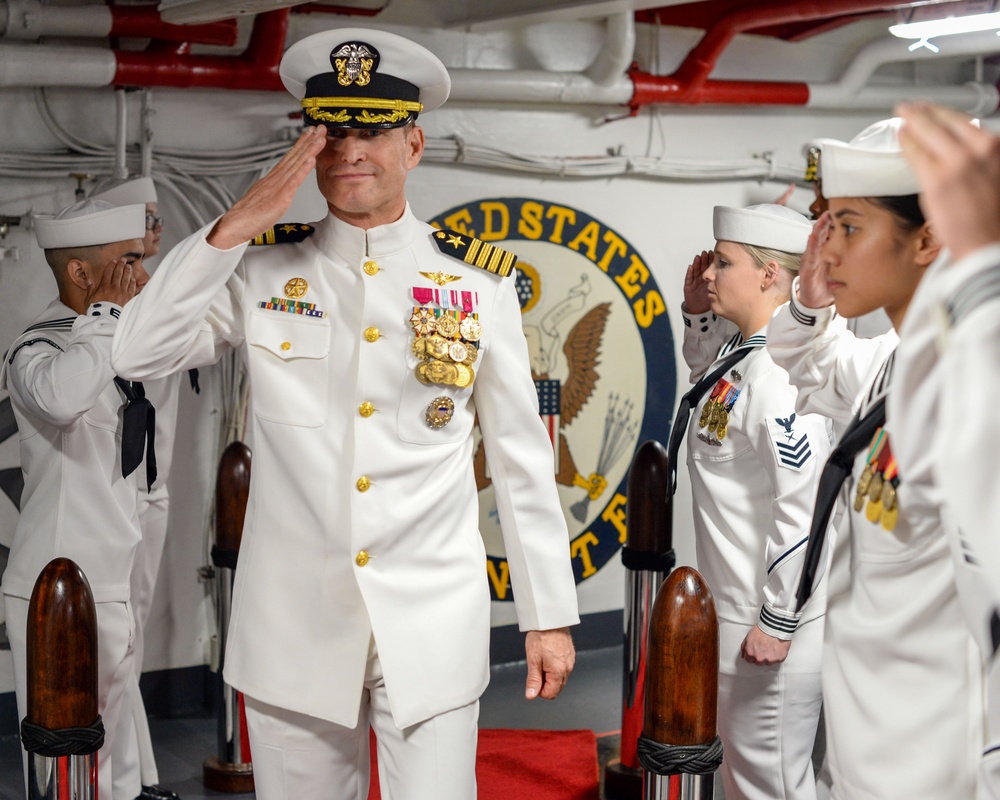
946	388
754	491
360	523
902	687
75	503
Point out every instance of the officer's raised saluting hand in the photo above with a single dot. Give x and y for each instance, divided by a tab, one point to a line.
696	297
268	199
814	291
117	283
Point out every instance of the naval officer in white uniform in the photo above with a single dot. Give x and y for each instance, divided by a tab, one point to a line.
902	682
372	342
77	503
754	464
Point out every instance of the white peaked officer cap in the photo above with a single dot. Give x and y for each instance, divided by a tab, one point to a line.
870	165
126	192
90	222
766	225
362	78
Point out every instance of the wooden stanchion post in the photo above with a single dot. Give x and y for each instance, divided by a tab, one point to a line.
679	748
62	730
231	770
648	558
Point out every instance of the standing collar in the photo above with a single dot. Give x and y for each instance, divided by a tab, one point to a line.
351	243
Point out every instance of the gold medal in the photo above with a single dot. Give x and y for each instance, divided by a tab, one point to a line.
875	488
888	496
458	351
466	375
706	413
439	412
419	347
423	321
441	372
864	481
296	288
421	372
889	517
713	420
436	346
447	326
722	427
471	354
471	330
874	510
859	499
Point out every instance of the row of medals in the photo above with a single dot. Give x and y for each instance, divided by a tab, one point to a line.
715	415
877	496
447	348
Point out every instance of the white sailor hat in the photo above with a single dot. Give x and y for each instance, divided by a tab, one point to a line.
90	222
766	225
870	165
125	192
362	78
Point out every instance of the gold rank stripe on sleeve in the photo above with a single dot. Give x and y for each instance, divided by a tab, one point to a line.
286	233
476	252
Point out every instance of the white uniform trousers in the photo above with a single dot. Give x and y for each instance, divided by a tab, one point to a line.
768	717
134	760
297	756
115	633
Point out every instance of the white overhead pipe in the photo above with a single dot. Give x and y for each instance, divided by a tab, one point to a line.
121	135
55	65
891	49
29	19
618	50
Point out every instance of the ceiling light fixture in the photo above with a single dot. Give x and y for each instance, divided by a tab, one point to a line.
923	30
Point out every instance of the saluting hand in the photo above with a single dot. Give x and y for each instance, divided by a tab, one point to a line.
958	166
551	657
268	199
117	284
814	291
696	299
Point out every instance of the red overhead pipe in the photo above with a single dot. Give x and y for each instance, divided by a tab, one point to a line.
690	83
255	69
143	22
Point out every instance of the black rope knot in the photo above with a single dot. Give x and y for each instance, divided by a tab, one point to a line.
675	759
642	560
63	741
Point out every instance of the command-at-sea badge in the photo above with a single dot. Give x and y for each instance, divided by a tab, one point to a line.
296	288
440	411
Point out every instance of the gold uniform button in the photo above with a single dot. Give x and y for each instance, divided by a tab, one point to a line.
370	267
366	409
364	483
286	345
372	334
361	558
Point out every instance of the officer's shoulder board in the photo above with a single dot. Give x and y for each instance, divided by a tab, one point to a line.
286	233
475	252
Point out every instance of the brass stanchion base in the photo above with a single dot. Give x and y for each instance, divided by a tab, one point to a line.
230	778
621	782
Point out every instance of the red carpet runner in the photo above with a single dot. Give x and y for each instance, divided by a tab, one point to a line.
531	765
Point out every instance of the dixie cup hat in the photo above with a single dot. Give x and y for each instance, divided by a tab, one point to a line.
870	165
125	192
766	225
90	222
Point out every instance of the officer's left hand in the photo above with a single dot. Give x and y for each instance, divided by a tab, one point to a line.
762	649
551	657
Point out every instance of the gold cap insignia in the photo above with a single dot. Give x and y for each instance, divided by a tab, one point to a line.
354	62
